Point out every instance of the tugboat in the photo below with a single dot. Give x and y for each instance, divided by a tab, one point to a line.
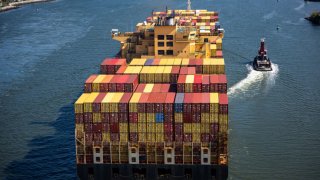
261	62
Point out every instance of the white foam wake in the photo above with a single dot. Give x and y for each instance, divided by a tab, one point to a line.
254	80
300	6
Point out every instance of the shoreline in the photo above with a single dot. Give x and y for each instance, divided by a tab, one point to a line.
15	5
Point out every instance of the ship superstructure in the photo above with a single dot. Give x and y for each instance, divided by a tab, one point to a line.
160	108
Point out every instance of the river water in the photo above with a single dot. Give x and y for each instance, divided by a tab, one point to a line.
47	50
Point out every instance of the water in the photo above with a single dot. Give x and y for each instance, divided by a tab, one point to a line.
47	50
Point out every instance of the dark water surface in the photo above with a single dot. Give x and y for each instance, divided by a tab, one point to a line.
47	50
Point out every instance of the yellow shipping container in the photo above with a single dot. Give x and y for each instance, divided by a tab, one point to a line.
96	83
143	74
196	127
170	62
137	62
96	117
159	127
205	117
142	127
80	127
151	127
223	119
123	127
185	62
214	117
150	74
177	61
106	137
163	62
78	105
133	127
159	137
87	104
142	137
205	128
148	88
151	117
123	137
166	74
196	137
187	127
142	117
105	103
133	102
178	117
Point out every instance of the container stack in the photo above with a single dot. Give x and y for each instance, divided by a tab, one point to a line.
154	112
111	65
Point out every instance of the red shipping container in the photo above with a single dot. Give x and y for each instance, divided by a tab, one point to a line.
214	80
222	86
87	117
187	117
133	117
123	104
88	128
168	127
122	69
180	83
97	137
105	118
96	127
214	128
187	137
178	128
191	70
105	127
88	83
113	117
199	66
178	138
205	137
114	127
88	138
205	83
115	137
133	137
112	86
96	106
223	103
174	74
123	117
140	88
79	118
197	83
168	137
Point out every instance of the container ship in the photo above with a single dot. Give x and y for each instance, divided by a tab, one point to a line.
159	110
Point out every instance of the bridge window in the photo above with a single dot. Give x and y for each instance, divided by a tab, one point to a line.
160	52
160	44
170	44
169	52
160	37
169	37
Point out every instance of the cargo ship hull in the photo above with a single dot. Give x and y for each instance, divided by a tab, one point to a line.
151	171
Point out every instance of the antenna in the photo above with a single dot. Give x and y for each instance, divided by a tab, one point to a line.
189	5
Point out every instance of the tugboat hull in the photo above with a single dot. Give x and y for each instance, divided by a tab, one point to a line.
258	66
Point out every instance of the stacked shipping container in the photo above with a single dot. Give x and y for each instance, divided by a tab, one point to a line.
174	116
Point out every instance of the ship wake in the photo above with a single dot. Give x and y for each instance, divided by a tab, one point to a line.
254	82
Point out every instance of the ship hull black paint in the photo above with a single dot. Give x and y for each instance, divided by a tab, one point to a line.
150	171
